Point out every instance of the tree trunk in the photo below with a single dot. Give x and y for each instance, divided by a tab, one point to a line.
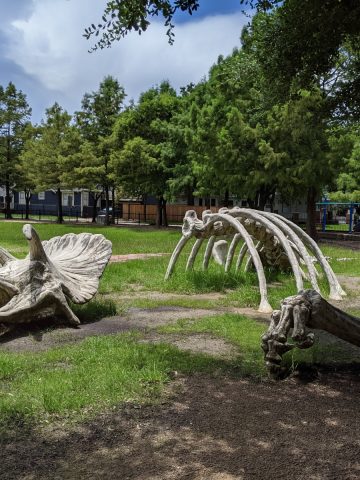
113	205
159	213
107	217
262	197
226	198
189	197
311	213
60	218
27	203
251	203
7	176
164	216
7	201
144	208
94	208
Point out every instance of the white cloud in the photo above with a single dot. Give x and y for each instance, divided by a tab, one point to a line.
49	47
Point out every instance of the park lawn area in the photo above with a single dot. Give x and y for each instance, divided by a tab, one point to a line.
78	380
75	381
124	240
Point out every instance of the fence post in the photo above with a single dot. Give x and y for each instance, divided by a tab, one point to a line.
324	219
351	217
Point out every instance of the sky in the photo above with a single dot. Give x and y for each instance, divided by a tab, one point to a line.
43	52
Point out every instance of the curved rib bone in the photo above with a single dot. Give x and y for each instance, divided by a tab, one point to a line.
336	292
299	245
241	256
264	306
175	255
281	237
208	252
193	254
231	251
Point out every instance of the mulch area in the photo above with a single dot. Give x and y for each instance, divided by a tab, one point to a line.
208	429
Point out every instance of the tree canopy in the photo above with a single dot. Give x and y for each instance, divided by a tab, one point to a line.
14	115
123	16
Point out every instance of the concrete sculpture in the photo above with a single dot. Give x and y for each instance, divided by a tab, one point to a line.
269	240
297	314
62	269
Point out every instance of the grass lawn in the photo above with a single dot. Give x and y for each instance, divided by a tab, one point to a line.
99	372
124	240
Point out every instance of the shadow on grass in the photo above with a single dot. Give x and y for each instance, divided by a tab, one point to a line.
88	313
75	385
94	310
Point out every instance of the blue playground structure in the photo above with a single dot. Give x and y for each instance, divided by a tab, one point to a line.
325	206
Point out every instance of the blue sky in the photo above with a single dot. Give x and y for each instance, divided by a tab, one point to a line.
43	52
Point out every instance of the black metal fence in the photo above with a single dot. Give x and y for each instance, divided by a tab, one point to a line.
42	214
74	214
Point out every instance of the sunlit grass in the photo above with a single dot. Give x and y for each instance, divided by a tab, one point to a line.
94	375
124	240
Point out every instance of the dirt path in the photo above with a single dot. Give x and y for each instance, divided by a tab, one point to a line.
34	338
213	429
135	256
351	285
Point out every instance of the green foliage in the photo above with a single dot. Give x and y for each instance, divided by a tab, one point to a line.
14	116
100	109
49	151
45	154
143	155
120	18
224	126
95	122
309	42
347	145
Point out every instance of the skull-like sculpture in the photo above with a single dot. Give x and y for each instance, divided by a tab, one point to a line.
55	271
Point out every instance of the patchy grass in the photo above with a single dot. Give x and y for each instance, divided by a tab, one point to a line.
99	372
343	267
240	289
246	333
237	329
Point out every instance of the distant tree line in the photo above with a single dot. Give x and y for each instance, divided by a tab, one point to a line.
280	114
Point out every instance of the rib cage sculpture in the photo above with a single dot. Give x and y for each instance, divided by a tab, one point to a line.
269	239
55	271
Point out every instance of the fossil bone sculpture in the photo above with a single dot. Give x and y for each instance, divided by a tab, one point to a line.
269	240
55	271
305	310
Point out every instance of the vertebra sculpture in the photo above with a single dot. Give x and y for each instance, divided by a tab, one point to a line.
269	240
55	271
305	310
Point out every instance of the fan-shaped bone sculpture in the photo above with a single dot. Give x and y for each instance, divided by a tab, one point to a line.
55	271
299	312
268	238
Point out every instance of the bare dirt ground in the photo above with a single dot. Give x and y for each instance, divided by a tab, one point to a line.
206	428
38	338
